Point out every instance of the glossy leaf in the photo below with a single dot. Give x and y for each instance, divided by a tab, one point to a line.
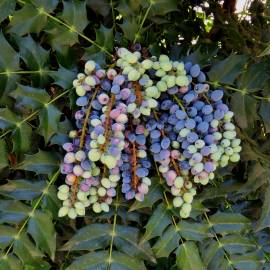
7	8
226	71
41	228
157	223
42	162
188	257
99	260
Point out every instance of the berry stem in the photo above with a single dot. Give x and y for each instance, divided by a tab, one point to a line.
135	179
84	128
103	147
179	102
138	93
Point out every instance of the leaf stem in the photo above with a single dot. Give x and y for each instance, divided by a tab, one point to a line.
143	20
113	231
113	14
31	214
25	72
242	91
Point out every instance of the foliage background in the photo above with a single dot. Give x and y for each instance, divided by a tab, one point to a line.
43	44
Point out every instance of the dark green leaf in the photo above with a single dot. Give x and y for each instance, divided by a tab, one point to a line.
3	155
9	61
130	27
74	15
167	243
41	163
227	70
13	211
23	189
10	262
265	112
193	231
104	38
99	260
188	257
20	130
7	8
244	107
31	18
228	222
157	223
7	234
264	220
102	6
26	250
41	228
63	77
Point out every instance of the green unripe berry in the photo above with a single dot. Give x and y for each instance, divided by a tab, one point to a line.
235	157
96	207
214	123
132	58
82	196
180	67
90	80
62	196
177	202
184	132
164	58
133	75
72	213
104	207
105	182
217	136
94	155
147	181
89	66
166	66
162	86
192	149
147	64
170	81
79	205
131	107
156	65
152	92
235	142
80	91
229	135
80	211
229	151
185	210
160	73
204	181
101	191
193	191
93	199
63	211
225	143
63	189
101	139
145	111
237	149
179	182
182	80
188	198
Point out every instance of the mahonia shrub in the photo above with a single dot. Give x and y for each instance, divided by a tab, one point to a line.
140	110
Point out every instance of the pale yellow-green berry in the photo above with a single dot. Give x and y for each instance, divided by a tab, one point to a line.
63	211
72	213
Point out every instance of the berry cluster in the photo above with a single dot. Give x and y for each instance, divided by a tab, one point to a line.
144	111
